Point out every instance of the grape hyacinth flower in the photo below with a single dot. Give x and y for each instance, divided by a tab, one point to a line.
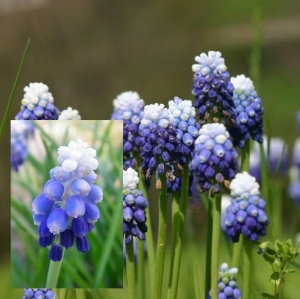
249	112
129	107
134	205
66	210
214	161
37	103
38	294
183	118
20	131
227	285
246	215
159	143
212	90
69	114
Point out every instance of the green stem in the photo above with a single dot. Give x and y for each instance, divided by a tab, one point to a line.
162	238
149	238
141	269
181	225
277	292
63	293
130	267
53	273
208	246
265	190
80	294
12	94
175	220
277	209
245	159
247	267
215	245
71	294
237	249
245	166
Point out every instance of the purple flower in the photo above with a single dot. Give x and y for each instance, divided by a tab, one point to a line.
134	205
67	208
246	215
228	288
20	132
38	294
212	90
214	161
249	112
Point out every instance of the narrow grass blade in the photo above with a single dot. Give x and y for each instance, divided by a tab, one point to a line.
12	94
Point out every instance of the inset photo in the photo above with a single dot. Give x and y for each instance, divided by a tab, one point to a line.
66	204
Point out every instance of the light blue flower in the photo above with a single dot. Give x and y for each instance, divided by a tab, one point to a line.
67	207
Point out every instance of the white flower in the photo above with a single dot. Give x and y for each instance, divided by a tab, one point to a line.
209	63
130	179
243	186
216	131
181	109
129	105
36	94
77	154
156	113
69	114
242	84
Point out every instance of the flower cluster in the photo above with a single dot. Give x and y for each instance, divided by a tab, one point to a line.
212	90
38	294
246	214
66	210
69	114
214	161
134	205
249	112
158	141
129	107
37	103
228	287
183	118
274	151
20	131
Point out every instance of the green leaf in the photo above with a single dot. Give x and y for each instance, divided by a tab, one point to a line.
268	296
12	94
275	276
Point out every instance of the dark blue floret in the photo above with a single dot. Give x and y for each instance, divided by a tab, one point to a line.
82	244
55	253
214	98
67	238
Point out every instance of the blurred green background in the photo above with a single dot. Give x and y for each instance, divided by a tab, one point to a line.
88	52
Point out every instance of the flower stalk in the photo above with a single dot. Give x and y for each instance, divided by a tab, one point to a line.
130	271
53	272
180	230
215	244
162	238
